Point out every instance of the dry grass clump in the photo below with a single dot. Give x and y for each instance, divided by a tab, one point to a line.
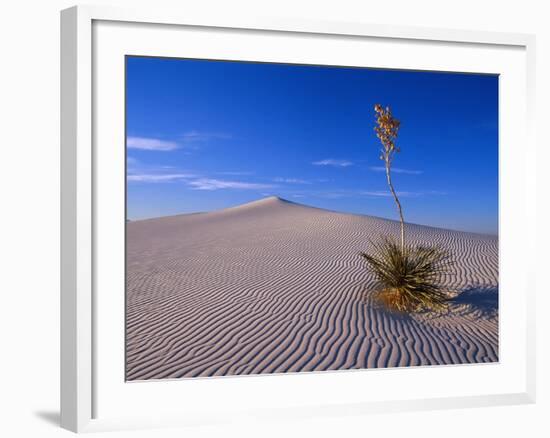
409	278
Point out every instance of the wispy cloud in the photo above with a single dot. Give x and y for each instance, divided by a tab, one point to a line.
381	193
333	162
217	184
339	194
396	170
138	172
159	178
193	139
236	173
150	144
189	140
291	180
435	192
334	195
384	193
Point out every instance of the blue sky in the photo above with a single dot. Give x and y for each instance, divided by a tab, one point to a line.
206	135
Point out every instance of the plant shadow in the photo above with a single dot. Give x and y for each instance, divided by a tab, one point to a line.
479	300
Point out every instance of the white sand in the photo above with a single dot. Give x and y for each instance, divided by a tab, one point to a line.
273	286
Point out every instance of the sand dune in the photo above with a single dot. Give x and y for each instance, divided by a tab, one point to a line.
273	286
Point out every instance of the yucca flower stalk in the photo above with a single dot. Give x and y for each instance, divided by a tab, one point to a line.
387	128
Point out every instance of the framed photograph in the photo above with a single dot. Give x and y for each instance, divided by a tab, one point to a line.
266	218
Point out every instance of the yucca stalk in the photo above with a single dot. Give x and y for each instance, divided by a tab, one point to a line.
387	128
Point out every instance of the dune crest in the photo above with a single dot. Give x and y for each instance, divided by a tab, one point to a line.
274	286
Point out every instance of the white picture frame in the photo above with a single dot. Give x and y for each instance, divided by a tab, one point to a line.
81	373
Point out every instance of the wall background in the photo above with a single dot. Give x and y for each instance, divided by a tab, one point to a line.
29	217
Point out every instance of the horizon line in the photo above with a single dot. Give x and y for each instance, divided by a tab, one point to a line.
279	198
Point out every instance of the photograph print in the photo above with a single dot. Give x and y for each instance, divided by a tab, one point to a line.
305	218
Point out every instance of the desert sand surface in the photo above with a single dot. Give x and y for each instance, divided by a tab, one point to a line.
274	286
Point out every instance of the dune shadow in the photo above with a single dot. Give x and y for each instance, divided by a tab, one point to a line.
51	417
481	300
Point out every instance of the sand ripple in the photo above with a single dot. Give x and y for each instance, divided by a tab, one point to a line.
272	286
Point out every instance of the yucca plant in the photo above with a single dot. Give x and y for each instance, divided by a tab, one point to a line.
409	278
